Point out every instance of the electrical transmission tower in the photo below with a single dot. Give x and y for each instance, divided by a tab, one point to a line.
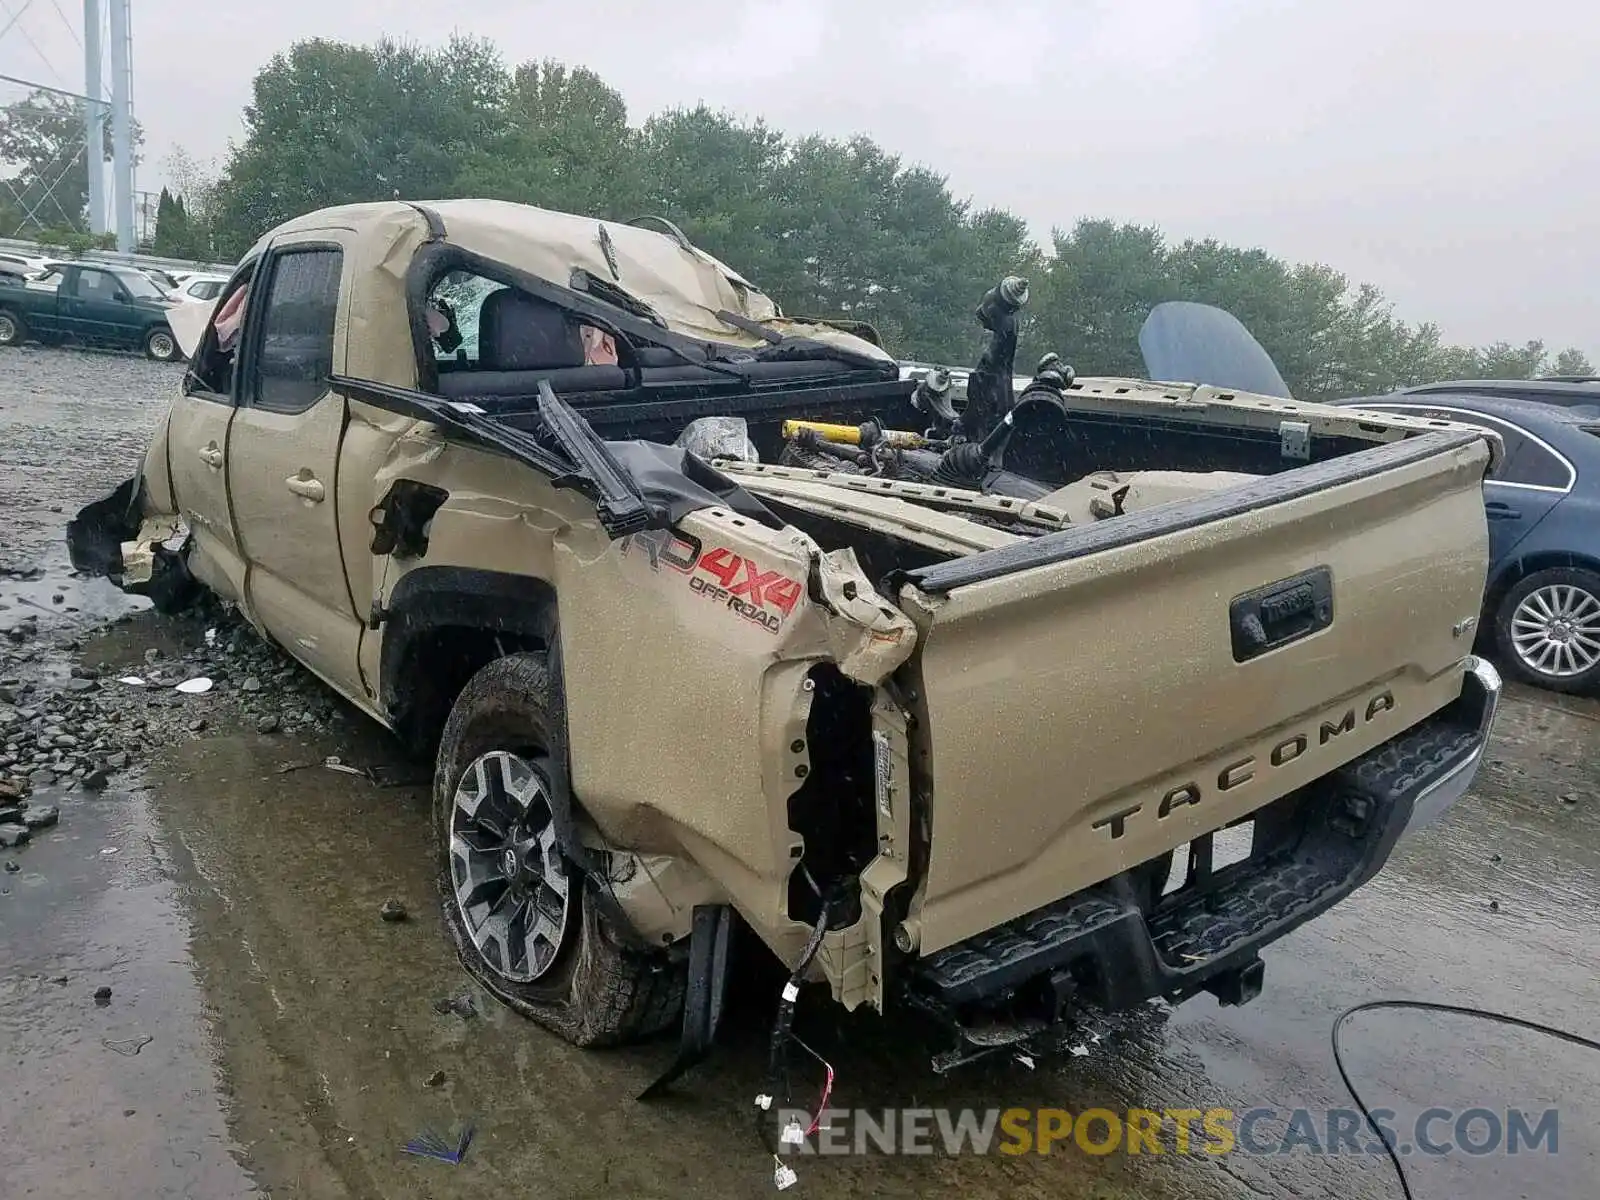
107	26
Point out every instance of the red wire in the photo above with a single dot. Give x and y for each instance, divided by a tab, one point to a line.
822	1105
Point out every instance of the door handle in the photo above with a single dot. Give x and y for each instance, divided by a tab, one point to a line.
1500	511
211	456
307	487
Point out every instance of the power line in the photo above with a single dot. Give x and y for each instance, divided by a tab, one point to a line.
14	23
71	28
42	87
21	12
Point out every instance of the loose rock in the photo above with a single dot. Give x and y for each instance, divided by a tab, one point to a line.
102	994
12	866
268	724
41	818
463	1006
434	1080
393	911
12	836
97	780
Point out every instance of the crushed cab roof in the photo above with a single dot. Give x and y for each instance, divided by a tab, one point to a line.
683	284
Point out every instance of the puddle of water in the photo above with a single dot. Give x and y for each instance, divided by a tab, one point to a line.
330	1033
59	594
113	1099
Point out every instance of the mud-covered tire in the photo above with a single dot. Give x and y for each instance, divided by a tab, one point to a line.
13	330
598	990
1565	599
160	345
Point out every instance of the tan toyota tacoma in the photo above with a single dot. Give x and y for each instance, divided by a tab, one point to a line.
998	704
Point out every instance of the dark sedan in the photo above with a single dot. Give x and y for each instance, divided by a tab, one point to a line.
1542	605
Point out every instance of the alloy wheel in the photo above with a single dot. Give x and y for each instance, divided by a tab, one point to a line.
510	881
1555	630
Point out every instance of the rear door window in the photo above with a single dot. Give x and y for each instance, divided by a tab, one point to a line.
1527	461
1535	466
96	285
1511	436
295	358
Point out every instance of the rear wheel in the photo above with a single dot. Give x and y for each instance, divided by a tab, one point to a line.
160	345
514	905
12	331
1548	628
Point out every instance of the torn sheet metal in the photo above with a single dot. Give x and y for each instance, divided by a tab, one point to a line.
868	637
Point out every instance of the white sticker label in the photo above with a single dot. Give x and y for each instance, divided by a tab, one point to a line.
791	993
784	1177
792	1135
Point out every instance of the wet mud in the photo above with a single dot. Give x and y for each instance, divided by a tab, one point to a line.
298	1040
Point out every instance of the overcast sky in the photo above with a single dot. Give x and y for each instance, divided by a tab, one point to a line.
1446	150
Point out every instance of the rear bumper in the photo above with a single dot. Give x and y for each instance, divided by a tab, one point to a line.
1117	945
1480	703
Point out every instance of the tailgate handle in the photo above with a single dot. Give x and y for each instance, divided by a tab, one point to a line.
1280	613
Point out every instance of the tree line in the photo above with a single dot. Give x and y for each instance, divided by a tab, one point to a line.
828	227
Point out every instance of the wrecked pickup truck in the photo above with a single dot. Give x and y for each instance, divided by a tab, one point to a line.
992	706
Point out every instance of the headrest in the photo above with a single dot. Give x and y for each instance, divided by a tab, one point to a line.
516	332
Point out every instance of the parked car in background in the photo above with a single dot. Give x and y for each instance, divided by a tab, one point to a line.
199	288
1542	604
164	280
1564	390
26	264
93	303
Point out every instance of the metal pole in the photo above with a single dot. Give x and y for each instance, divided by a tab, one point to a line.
122	121
94	116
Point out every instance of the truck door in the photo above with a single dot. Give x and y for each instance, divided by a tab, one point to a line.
283	456
197	440
95	306
48	317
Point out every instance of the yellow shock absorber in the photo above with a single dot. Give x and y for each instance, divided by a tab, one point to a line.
850	435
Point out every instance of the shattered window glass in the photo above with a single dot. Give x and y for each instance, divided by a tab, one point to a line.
458	299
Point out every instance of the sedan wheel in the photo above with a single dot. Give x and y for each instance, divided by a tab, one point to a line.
1549	629
1556	630
511	884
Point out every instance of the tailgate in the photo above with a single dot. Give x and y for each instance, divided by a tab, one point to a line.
1092	698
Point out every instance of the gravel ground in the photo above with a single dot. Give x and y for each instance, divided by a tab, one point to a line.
222	972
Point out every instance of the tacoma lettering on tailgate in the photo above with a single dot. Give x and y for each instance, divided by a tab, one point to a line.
1242	770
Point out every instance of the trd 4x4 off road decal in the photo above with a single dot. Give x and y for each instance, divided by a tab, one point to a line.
764	597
